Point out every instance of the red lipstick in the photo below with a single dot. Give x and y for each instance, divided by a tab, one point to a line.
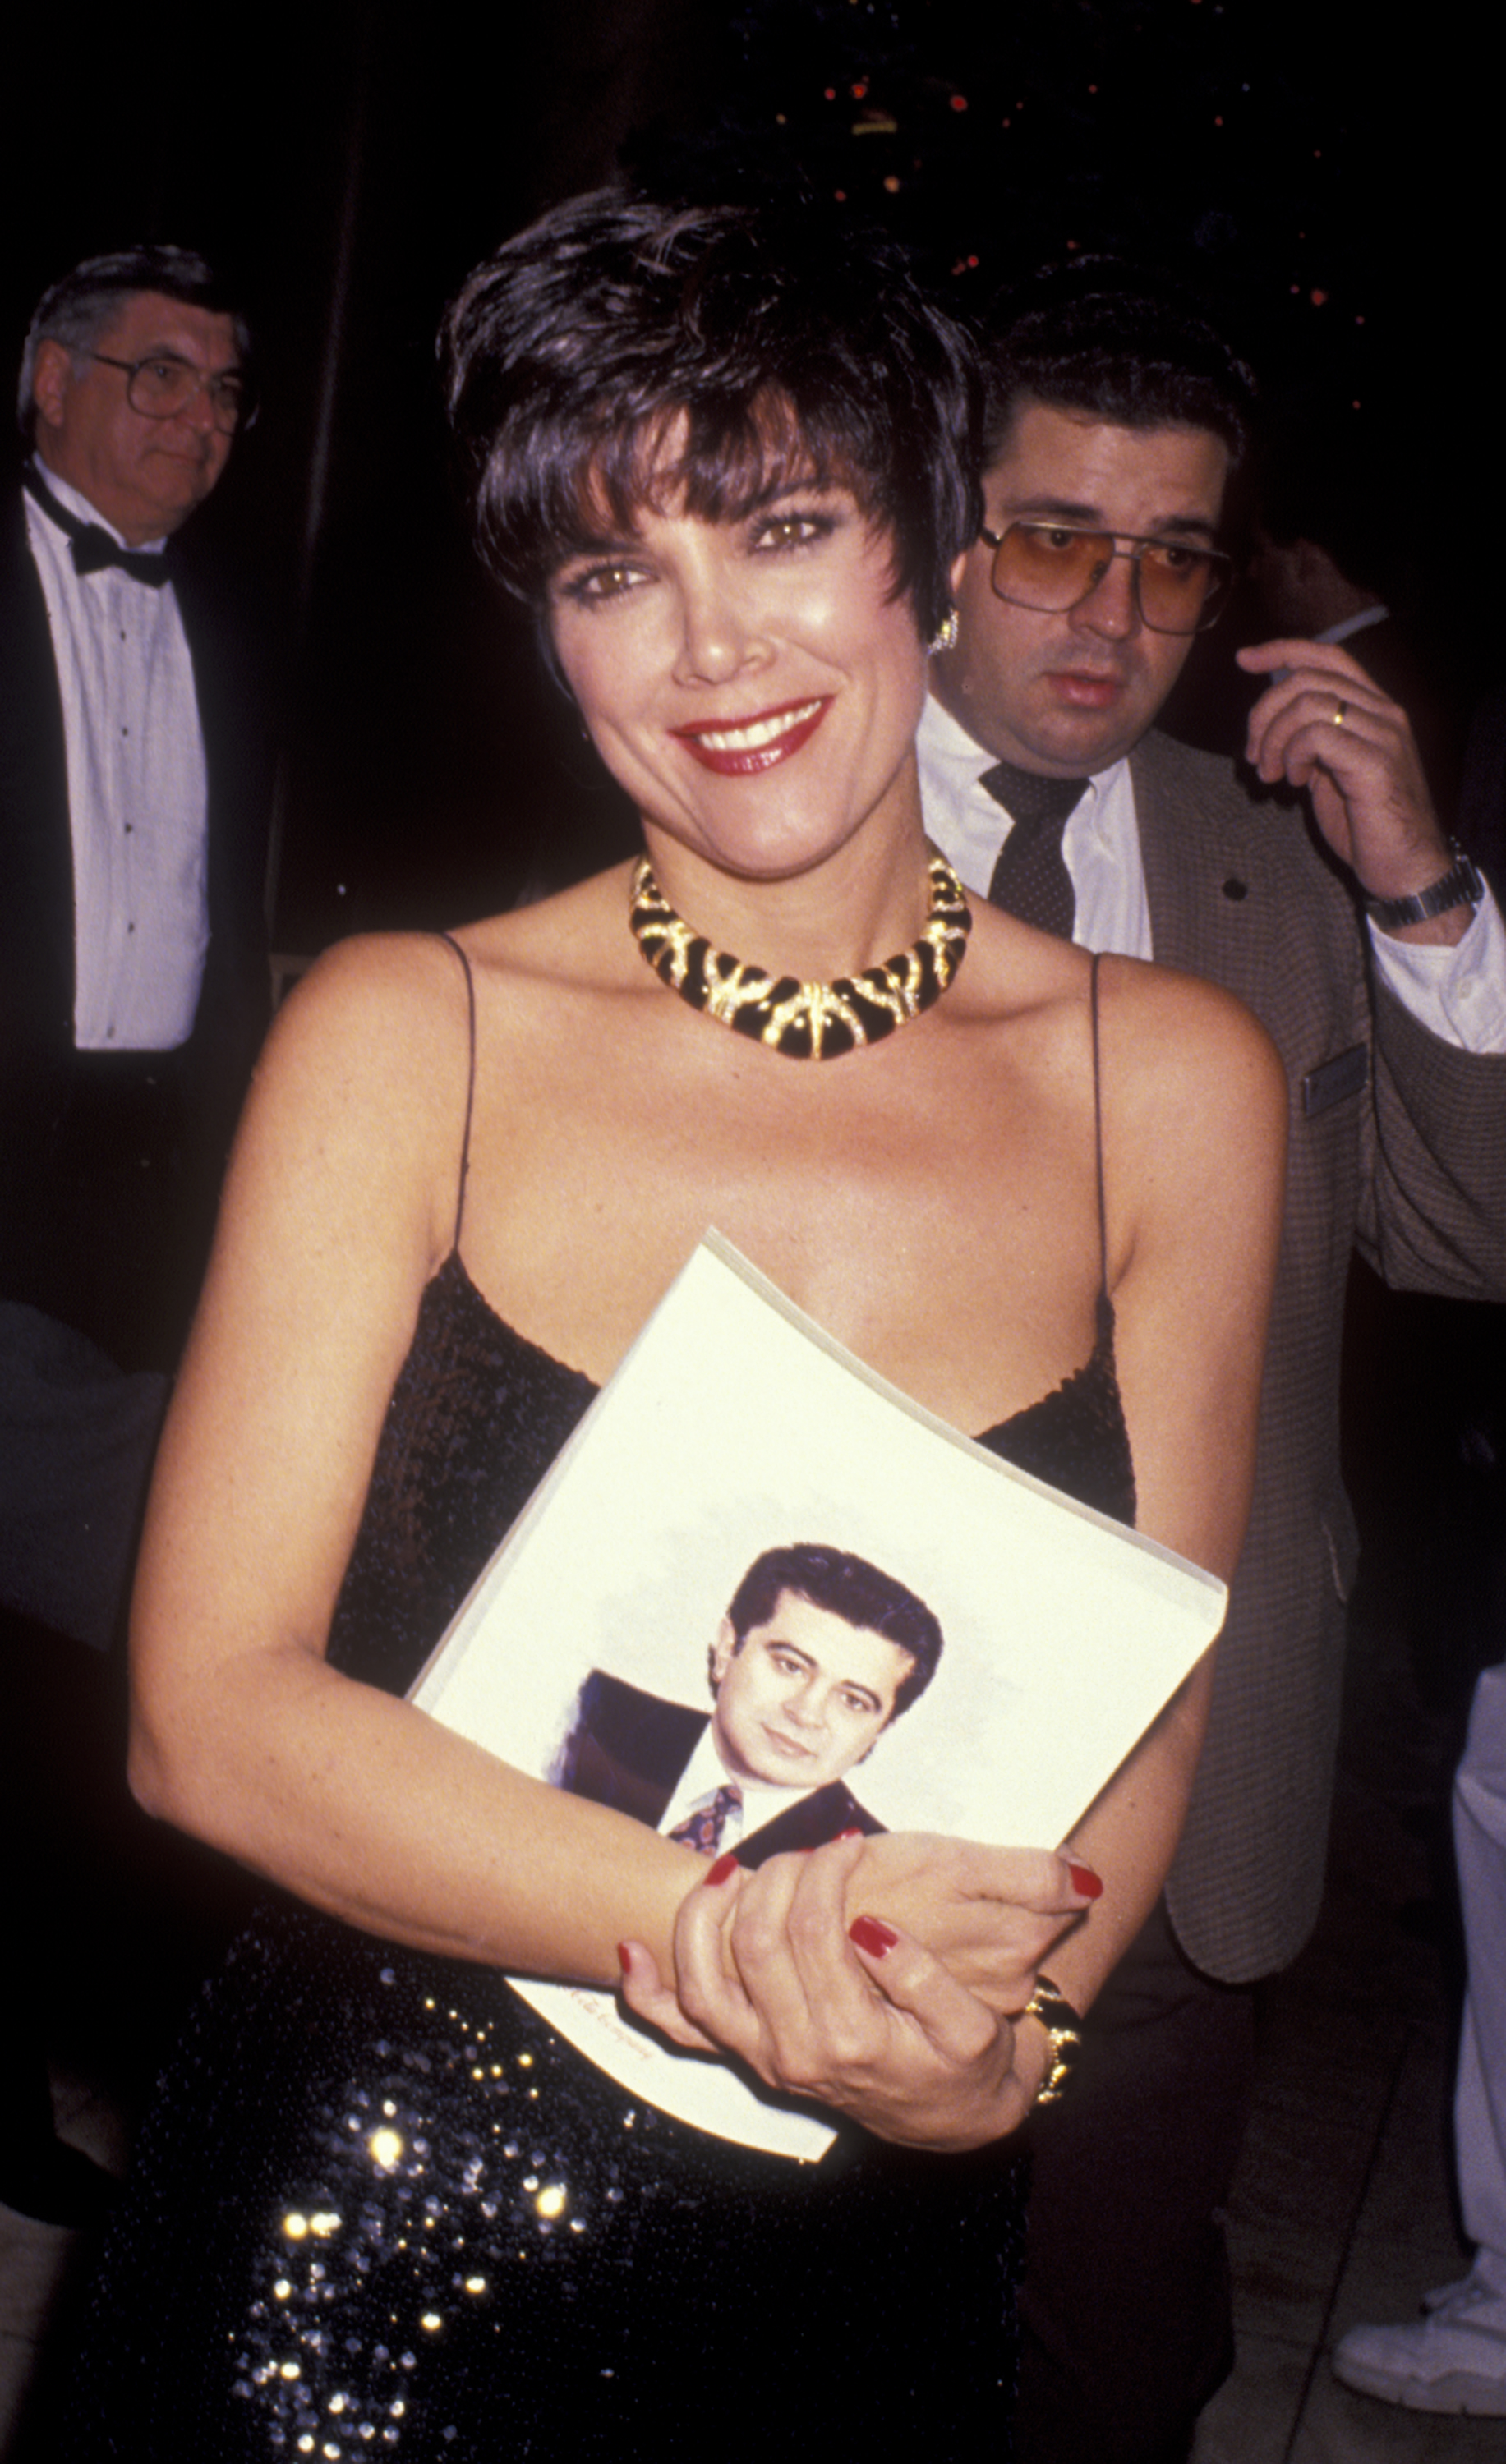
740	748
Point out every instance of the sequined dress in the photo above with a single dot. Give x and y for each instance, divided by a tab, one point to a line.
379	2209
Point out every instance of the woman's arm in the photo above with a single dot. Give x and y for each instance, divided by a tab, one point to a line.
339	1205
1194	1146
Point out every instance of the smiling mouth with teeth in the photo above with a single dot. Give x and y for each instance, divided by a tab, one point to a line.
745	746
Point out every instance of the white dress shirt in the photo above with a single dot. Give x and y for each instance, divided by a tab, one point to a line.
705	1774
1457	991
136	793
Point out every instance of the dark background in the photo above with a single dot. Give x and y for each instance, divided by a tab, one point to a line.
1332	191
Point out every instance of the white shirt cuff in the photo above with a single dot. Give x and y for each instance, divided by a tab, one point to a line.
1458	991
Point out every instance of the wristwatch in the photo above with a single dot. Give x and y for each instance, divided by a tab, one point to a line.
1460	886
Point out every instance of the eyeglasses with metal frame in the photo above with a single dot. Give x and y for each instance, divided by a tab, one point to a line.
163	385
1054	567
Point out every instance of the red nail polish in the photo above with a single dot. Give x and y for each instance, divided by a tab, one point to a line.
624	1958
1087	1884
869	1935
722	1870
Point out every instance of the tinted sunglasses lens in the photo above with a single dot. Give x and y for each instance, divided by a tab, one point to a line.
1036	565
1179	589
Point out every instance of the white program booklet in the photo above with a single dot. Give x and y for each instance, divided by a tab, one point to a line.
593	1651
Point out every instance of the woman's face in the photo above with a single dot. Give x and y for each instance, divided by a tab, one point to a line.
751	683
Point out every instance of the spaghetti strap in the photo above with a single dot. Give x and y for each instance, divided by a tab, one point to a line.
470	1089
1097	1137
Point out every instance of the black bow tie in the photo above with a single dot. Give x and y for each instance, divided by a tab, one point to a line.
91	547
1030	879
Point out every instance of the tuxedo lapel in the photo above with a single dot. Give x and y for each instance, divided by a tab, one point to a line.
37	911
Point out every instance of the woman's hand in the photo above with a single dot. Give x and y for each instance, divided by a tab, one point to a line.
853	2012
991	1915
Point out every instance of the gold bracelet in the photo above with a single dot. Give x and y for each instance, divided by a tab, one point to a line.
1063	2027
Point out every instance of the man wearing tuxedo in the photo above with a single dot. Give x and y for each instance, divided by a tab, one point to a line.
1375	956
132	804
133	971
818	1651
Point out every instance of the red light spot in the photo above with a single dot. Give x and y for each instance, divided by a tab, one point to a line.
1319	299
959	102
831	93
859	92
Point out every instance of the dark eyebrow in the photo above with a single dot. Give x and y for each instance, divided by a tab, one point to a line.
164	351
595	543
1062	509
808	483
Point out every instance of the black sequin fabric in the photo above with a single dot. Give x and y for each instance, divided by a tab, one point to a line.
380	2210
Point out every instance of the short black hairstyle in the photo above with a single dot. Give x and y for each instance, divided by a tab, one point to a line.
79	308
1102	338
849	1588
787	343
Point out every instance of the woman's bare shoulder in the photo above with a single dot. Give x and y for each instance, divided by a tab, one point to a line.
1180	1026
394	984
381	984
575	940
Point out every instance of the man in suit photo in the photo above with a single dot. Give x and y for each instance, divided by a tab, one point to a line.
819	1651
1373	955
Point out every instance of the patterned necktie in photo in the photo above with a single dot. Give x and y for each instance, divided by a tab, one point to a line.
703	1827
1030	879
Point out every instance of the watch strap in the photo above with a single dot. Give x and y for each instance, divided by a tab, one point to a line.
1460	886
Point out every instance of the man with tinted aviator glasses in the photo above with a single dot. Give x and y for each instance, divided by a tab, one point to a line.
1375	958
1179	587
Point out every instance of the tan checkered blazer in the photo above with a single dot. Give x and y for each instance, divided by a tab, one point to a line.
1398	1144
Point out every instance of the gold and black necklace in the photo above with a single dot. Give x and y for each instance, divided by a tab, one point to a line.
806	1021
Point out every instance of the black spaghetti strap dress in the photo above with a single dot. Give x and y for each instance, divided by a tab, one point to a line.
378	2210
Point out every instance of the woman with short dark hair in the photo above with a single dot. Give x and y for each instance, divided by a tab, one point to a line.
730	460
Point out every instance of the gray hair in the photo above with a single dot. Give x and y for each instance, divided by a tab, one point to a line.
79	309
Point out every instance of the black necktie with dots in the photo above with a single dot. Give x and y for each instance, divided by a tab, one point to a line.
1030	879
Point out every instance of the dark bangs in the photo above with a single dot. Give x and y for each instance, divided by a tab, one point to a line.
618	356
720	459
